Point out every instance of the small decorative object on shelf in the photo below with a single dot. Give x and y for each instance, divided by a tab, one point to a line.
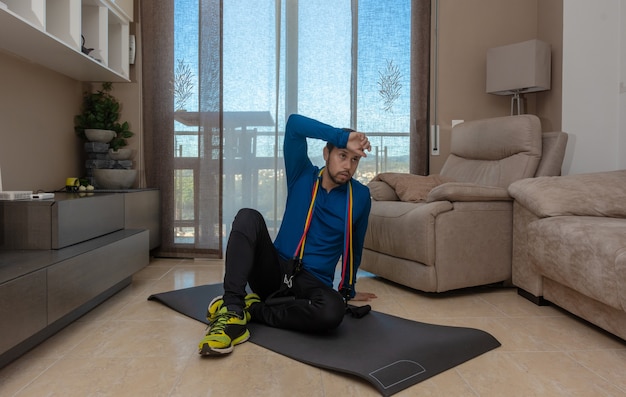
98	135
101	111
121	154
84	49
114	178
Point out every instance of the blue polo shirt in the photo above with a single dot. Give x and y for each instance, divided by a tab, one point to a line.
325	238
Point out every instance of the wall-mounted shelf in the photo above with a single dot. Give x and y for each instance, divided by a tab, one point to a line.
49	33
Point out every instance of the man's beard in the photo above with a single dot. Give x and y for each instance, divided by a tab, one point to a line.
337	182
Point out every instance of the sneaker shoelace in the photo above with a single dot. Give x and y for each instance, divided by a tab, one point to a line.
219	324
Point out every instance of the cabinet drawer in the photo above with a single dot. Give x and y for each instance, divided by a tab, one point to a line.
77	280
22	308
54	224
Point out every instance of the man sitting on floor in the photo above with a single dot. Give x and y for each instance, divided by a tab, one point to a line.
325	219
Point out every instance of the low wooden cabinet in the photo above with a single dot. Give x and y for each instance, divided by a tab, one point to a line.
43	290
142	209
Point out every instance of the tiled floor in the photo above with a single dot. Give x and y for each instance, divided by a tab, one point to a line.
129	346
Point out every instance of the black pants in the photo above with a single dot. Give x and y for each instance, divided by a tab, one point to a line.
251	258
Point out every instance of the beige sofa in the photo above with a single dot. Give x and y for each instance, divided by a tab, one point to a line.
569	244
454	230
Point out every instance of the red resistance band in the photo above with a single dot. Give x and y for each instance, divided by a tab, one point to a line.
347	272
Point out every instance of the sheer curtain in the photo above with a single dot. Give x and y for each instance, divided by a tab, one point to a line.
221	77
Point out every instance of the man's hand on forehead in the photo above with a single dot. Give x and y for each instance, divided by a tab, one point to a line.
358	143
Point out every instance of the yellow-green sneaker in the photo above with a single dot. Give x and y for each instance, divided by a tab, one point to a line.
250	300
225	331
216	304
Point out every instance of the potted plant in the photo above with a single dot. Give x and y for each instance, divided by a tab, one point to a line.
99	124
99	119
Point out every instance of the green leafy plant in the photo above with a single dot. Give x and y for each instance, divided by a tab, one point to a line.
101	110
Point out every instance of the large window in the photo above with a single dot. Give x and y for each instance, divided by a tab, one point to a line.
346	63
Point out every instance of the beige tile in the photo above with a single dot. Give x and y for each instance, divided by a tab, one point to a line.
100	376
374	285
145	310
249	349
608	364
22	372
108	309
129	346
139	286
155	338
431	307
568	333
337	384
248	375
154	272
533	374
448	383
60	344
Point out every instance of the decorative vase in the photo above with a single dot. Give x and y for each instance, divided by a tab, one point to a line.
114	179
96	135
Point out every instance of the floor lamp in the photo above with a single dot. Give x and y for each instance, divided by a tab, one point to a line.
517	69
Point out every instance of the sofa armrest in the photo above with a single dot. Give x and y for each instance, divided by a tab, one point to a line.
461	191
593	194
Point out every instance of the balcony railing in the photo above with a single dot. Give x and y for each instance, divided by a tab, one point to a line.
249	163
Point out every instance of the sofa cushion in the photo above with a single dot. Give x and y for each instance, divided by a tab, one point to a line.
408	187
582	253
458	191
381	191
494	152
593	194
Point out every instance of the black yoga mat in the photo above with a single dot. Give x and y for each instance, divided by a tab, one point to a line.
390	352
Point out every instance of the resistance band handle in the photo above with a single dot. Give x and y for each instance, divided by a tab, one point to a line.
346	294
358	311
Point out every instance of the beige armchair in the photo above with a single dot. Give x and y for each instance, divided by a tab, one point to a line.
454	230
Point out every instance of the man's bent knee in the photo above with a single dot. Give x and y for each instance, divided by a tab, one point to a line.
248	219
331	314
246	214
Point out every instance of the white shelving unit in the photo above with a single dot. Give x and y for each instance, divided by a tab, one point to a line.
50	33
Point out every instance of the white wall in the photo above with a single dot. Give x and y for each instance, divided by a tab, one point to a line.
594	106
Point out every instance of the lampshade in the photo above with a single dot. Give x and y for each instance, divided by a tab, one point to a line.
518	68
